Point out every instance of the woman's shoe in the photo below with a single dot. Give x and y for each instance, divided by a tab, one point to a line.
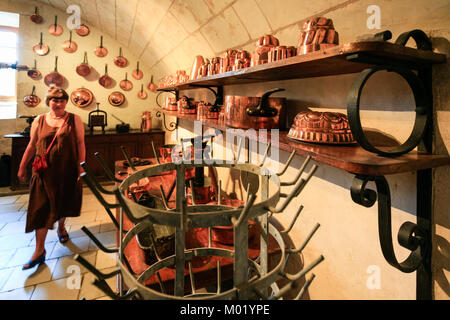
63	238
30	264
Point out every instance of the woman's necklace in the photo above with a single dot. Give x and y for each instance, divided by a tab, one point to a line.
57	118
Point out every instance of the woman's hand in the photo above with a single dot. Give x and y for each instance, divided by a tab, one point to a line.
22	174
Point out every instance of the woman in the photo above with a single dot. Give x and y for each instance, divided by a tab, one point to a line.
56	192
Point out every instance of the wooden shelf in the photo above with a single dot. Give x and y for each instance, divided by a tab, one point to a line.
332	61
351	158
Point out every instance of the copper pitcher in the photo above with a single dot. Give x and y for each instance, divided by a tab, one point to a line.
256	112
146	121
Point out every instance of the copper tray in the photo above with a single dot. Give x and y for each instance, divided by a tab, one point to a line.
321	127
82	97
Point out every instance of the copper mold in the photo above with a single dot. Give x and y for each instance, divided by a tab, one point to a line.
318	34
321	127
263	46
82	97
281	52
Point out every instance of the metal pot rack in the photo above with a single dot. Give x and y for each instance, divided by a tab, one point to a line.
366	58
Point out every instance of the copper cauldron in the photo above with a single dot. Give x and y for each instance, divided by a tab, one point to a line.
255	112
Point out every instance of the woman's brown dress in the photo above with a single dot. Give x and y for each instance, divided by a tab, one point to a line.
55	193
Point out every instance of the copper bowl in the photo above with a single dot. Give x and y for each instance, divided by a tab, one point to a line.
82	97
321	127
116	98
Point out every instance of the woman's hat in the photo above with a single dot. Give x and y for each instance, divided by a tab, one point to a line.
55	92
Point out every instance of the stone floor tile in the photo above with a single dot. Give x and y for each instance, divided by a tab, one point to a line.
107	226
18	294
73	246
105	260
13	216
75	229
108	239
13	228
5	257
60	289
62	267
89	291
16	240
8	199
23	255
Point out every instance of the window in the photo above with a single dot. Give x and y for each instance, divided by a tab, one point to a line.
9	24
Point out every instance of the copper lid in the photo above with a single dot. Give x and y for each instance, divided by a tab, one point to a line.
321	127
81	97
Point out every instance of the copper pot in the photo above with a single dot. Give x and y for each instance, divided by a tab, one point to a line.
171	104
137	74
116	98
120	61
83	30
198	62
34	73
146	121
70	46
101	51
185	106
41	49
126	84
142	94
151	86
255	112
31	100
55	29
54	77
82	97
84	69
105	80
36	18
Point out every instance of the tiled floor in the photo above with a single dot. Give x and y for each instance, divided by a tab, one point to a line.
60	277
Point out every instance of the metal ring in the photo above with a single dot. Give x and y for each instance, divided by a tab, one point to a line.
422	111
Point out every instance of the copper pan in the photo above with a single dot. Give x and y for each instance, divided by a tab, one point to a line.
142	94
83	30
126	84
31	100
41	49
84	69
34	73
70	46
116	98
101	51
36	18
137	74
120	61
82	97
151	86
55	29
54	77
105	80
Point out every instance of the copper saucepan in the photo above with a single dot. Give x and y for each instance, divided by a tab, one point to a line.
36	18
151	86
137	74
120	61
82	97
41	49
126	84
83	30
101	51
54	77
55	29
84	69
142	94
105	80
116	98
255	112
34	73
70	46
31	100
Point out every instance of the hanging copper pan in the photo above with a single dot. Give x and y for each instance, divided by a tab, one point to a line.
84	69
101	51
120	61
116	98
70	46
137	74
36	18
105	80
82	97
55	29
126	84
54	77
151	86
142	94
34	73
83	30
31	100
41	49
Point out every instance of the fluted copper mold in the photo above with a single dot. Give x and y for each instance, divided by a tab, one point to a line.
321	127
318	34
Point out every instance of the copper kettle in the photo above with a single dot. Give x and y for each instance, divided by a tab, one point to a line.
146	121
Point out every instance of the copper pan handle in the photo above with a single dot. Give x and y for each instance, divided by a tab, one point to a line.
263	109
56	63
85	58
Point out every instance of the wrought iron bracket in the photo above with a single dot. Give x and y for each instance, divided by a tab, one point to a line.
218	93
410	236
172	125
